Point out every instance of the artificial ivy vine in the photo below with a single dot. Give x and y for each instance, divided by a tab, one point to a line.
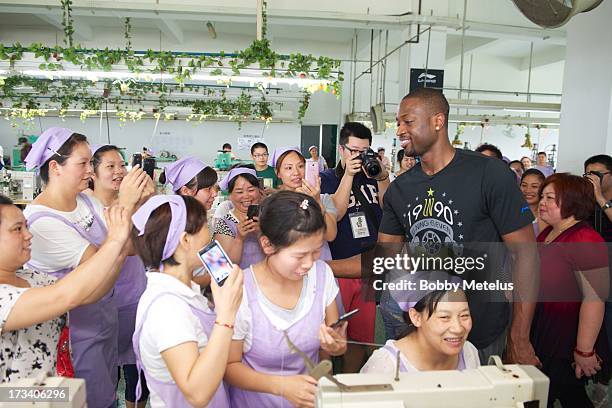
67	22
75	93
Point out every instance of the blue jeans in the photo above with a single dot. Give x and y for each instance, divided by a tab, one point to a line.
392	315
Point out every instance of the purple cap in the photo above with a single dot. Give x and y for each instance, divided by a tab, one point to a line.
177	223
47	145
409	298
279	151
236	171
95	147
183	171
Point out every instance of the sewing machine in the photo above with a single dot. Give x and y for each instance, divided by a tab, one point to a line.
497	385
30	392
24	185
510	386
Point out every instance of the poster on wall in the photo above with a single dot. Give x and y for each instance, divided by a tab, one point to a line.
246	141
432	78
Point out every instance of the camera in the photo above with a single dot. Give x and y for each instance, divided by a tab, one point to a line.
370	163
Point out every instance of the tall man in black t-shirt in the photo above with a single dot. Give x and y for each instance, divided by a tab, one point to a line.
454	196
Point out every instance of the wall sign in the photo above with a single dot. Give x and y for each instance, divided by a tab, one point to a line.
433	78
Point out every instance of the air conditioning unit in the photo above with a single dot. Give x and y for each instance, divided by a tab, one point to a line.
554	13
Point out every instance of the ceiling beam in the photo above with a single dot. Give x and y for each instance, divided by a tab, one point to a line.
81	30
546	57
171	30
192	12
472	45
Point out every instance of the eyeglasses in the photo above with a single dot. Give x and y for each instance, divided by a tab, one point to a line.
353	151
596	173
260	156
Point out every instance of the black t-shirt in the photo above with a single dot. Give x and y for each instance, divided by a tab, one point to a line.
345	246
474	199
602	224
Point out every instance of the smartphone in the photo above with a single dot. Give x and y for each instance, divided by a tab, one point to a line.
149	166
252	211
137	160
345	317
268	183
260	180
216	262
312	172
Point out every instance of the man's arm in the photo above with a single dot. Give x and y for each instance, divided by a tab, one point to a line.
351	267
526	277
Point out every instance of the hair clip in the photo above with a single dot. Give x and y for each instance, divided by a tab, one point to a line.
304	205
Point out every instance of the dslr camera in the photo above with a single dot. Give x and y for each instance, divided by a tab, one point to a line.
370	163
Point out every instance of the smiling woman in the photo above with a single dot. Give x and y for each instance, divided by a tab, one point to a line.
33	304
68	230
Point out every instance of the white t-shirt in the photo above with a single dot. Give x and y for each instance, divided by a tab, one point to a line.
244	321
170	322
383	362
56	246
27	352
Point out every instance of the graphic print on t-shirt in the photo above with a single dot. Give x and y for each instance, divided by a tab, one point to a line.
433	222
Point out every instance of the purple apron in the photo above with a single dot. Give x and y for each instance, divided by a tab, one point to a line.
93	328
128	289
251	250
403	369
269	353
169	393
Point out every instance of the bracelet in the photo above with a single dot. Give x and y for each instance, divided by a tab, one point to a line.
229	326
386	178
584	354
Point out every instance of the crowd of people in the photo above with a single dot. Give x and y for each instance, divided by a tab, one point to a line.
102	258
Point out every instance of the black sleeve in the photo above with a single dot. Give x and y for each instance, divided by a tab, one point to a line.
503	199
391	222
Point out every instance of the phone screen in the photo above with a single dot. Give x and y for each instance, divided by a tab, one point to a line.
216	262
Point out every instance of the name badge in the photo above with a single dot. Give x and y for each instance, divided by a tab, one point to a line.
359	225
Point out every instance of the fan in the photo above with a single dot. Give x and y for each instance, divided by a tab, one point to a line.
554	13
377	118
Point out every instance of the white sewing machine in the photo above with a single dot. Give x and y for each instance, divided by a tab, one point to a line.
509	386
31	391
27	184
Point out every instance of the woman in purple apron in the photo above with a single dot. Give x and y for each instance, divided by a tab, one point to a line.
67	230
181	345
438	323
192	177
292	292
109	171
237	233
31	329
289	164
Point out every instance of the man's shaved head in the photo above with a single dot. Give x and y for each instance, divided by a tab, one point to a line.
433	99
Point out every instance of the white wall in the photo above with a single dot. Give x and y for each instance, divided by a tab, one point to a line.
586	116
176	136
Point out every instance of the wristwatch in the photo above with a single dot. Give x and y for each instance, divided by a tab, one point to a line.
607	205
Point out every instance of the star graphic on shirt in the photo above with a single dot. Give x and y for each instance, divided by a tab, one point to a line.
450	202
456	212
416	199
430	192
460	224
443	194
460	236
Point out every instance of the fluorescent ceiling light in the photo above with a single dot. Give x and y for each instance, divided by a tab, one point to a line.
531	110
124	75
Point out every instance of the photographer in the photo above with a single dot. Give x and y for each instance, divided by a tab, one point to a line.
358	196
